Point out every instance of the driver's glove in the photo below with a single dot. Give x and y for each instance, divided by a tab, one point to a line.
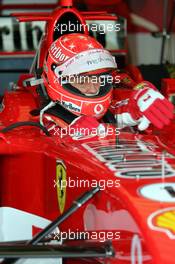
144	107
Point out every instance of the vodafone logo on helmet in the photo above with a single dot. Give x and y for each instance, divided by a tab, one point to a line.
57	53
98	109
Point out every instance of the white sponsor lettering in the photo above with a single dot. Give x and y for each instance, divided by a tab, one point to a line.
71	106
57	53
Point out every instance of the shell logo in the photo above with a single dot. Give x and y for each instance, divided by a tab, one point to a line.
163	221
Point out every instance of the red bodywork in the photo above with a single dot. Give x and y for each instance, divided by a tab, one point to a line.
32	164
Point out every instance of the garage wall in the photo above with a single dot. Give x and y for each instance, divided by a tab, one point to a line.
145	49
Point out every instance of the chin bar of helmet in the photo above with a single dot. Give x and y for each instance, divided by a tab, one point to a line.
50	105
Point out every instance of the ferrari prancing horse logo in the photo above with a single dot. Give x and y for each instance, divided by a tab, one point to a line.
61	186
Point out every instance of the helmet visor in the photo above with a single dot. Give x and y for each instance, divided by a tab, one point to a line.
83	85
86	61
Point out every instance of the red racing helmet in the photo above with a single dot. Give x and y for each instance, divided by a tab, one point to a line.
78	55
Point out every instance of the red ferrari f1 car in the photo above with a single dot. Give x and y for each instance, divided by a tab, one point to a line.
105	200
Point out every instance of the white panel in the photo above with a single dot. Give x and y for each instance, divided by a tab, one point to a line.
17	225
23	33
41	25
7	38
144	48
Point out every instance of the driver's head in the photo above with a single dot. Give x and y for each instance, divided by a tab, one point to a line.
77	74
86	84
